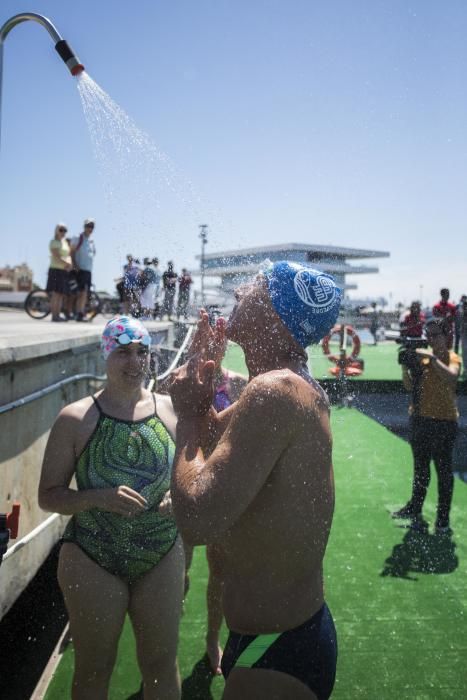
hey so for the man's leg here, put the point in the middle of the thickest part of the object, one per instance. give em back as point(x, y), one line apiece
point(421, 451)
point(442, 456)
point(420, 441)
point(83, 289)
point(96, 602)
point(69, 305)
point(155, 609)
point(170, 300)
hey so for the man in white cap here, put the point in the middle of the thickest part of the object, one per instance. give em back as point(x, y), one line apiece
point(257, 480)
point(83, 251)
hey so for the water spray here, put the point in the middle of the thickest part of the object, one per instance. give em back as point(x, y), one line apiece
point(63, 49)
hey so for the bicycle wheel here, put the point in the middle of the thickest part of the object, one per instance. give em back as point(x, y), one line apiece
point(37, 304)
point(93, 306)
point(110, 308)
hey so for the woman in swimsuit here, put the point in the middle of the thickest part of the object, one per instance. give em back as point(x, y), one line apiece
point(121, 552)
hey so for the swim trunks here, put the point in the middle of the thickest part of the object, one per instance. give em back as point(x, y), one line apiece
point(308, 653)
point(138, 454)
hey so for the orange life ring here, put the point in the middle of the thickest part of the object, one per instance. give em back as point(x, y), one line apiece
point(356, 345)
point(350, 371)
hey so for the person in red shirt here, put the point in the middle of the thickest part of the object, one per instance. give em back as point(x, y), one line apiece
point(444, 309)
point(413, 321)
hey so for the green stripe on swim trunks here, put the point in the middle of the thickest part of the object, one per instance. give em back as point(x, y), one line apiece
point(256, 649)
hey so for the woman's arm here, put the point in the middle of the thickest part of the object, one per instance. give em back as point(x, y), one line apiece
point(58, 467)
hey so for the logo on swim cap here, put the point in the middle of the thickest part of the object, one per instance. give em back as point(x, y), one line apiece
point(319, 292)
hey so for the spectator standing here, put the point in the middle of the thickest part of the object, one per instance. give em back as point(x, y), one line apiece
point(374, 323)
point(463, 330)
point(83, 251)
point(155, 264)
point(131, 286)
point(431, 377)
point(458, 323)
point(59, 268)
point(413, 321)
point(445, 309)
point(184, 284)
point(69, 303)
point(149, 282)
point(169, 282)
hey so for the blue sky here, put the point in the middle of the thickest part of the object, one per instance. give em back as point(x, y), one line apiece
point(341, 123)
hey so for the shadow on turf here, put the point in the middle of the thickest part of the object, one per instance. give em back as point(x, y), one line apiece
point(420, 552)
point(197, 686)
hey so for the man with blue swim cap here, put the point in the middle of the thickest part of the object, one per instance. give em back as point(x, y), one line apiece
point(306, 300)
point(257, 479)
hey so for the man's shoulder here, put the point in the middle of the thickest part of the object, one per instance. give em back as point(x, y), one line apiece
point(286, 388)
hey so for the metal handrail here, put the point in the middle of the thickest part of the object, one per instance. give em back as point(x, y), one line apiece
point(24, 400)
point(182, 349)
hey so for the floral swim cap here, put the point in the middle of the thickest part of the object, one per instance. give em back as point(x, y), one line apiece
point(123, 330)
point(306, 300)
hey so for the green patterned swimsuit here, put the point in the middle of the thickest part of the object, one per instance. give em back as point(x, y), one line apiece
point(138, 454)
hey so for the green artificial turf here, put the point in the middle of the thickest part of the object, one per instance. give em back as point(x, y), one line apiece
point(380, 361)
point(398, 598)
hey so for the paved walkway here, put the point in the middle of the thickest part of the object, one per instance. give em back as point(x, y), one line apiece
point(20, 334)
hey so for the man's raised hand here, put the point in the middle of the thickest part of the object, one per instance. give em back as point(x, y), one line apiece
point(210, 343)
point(191, 387)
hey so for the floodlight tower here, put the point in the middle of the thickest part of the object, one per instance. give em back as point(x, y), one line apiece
point(203, 234)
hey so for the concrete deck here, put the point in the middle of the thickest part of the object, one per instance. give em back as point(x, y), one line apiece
point(23, 338)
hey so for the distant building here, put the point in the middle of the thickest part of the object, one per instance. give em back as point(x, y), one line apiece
point(236, 266)
point(16, 279)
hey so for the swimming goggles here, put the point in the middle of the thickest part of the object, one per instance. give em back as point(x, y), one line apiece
point(126, 339)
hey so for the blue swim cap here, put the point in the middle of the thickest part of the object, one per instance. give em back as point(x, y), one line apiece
point(306, 300)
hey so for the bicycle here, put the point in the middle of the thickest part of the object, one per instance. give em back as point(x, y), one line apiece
point(111, 307)
point(37, 304)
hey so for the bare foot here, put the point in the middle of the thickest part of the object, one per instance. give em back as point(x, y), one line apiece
point(214, 652)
